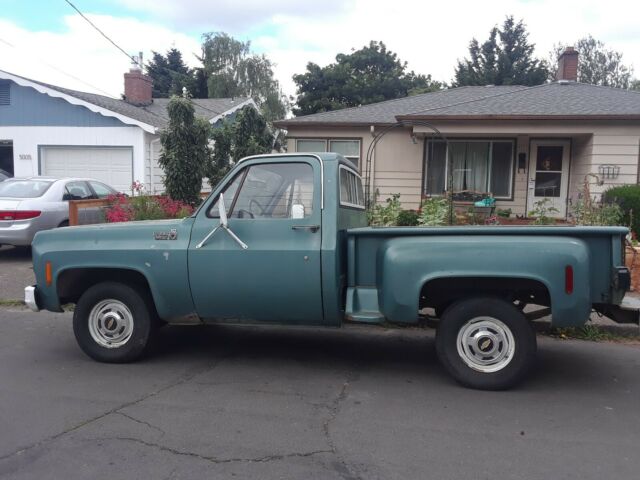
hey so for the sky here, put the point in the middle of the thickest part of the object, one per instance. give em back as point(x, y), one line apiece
point(48, 41)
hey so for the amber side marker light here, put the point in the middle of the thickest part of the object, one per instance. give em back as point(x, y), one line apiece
point(568, 279)
point(47, 274)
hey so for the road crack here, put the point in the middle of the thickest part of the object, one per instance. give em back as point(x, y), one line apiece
point(116, 410)
point(341, 467)
point(216, 460)
point(141, 422)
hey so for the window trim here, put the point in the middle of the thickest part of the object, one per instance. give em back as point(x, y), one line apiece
point(327, 141)
point(491, 140)
point(343, 203)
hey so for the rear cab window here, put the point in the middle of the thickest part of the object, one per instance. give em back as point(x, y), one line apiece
point(351, 192)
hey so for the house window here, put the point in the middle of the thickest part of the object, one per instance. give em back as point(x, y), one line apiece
point(476, 165)
point(348, 148)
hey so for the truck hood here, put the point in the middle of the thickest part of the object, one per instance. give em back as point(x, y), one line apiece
point(134, 235)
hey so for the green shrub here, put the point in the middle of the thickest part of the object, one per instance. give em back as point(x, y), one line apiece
point(408, 218)
point(542, 209)
point(627, 197)
point(386, 215)
point(504, 213)
point(590, 212)
point(434, 212)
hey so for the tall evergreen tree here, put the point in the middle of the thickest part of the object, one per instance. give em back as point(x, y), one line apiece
point(185, 151)
point(371, 74)
point(248, 134)
point(505, 58)
point(170, 74)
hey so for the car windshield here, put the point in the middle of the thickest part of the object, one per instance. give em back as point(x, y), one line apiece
point(23, 188)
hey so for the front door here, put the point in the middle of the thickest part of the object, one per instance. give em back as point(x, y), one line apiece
point(275, 209)
point(549, 176)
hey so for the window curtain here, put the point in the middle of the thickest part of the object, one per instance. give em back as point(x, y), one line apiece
point(458, 168)
point(477, 166)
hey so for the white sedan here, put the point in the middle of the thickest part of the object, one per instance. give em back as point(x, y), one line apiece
point(28, 205)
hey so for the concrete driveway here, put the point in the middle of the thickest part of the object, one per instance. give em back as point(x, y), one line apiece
point(16, 272)
point(267, 403)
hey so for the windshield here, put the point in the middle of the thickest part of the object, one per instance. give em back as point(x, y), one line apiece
point(23, 188)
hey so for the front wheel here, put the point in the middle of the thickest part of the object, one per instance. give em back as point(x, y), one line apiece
point(486, 343)
point(114, 322)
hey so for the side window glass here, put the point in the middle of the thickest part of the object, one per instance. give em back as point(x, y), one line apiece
point(229, 194)
point(102, 190)
point(77, 191)
point(351, 194)
point(272, 190)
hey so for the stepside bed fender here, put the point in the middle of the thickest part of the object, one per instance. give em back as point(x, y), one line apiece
point(406, 264)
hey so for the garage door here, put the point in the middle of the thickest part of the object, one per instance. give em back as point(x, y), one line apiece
point(111, 165)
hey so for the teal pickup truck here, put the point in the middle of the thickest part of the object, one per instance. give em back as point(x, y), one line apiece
point(283, 240)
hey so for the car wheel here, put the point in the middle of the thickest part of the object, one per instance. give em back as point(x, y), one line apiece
point(64, 224)
point(486, 343)
point(114, 322)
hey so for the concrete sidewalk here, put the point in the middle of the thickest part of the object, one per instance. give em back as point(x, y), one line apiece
point(16, 272)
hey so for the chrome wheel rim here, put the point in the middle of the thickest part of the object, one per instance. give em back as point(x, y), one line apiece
point(486, 344)
point(110, 323)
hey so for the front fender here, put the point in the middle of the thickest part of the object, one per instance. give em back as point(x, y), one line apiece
point(132, 247)
point(405, 265)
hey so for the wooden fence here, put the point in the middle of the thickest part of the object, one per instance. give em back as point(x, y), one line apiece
point(76, 205)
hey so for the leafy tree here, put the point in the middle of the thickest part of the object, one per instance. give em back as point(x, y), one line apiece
point(371, 74)
point(185, 151)
point(170, 74)
point(248, 134)
point(635, 84)
point(597, 64)
point(230, 69)
point(506, 58)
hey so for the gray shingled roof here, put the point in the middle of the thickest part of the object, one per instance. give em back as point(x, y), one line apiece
point(554, 99)
point(154, 114)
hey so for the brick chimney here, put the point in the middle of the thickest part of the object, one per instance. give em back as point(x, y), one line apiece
point(137, 86)
point(568, 65)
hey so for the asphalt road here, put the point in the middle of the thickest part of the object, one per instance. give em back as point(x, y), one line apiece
point(263, 403)
point(16, 272)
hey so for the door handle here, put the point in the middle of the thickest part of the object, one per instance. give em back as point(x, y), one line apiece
point(312, 228)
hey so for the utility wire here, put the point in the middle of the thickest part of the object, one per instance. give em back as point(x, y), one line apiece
point(57, 69)
point(137, 62)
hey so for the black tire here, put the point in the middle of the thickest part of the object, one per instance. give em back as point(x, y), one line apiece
point(64, 224)
point(457, 320)
point(142, 311)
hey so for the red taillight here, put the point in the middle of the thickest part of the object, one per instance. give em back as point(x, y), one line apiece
point(19, 214)
point(568, 279)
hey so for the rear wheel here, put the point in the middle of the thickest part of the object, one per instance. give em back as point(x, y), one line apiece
point(114, 322)
point(486, 343)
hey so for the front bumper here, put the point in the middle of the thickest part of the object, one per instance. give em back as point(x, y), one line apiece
point(31, 298)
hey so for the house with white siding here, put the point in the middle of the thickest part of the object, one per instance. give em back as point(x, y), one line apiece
point(55, 131)
point(520, 144)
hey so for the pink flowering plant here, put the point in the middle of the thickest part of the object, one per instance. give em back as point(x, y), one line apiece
point(144, 207)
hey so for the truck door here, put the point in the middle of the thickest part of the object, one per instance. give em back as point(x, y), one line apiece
point(275, 209)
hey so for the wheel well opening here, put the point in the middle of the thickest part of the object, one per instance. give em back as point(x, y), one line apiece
point(441, 292)
point(72, 283)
